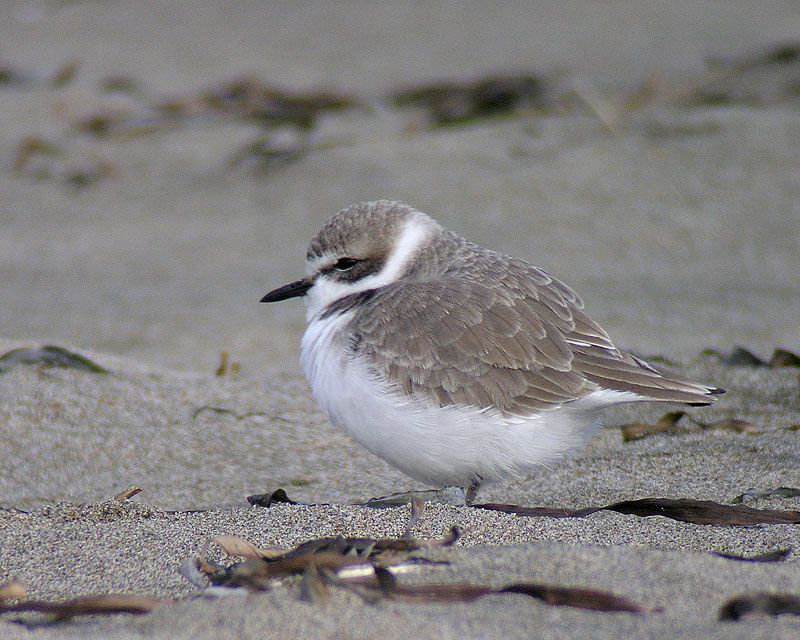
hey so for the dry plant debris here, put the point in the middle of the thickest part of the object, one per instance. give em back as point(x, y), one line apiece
point(252, 99)
point(668, 423)
point(226, 367)
point(681, 509)
point(763, 77)
point(451, 103)
point(772, 604)
point(106, 603)
point(385, 585)
point(741, 357)
point(770, 556)
point(48, 356)
point(368, 567)
point(781, 492)
point(39, 159)
point(128, 493)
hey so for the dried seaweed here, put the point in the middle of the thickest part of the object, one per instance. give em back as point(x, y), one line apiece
point(128, 493)
point(668, 423)
point(728, 424)
point(32, 155)
point(260, 569)
point(65, 74)
point(120, 84)
point(56, 79)
point(772, 604)
point(780, 54)
point(783, 358)
point(381, 583)
point(243, 99)
point(223, 369)
point(681, 509)
point(577, 597)
point(12, 76)
point(369, 548)
point(766, 75)
point(782, 492)
point(367, 567)
point(106, 603)
point(40, 159)
point(770, 556)
point(88, 173)
point(48, 356)
point(452, 103)
point(270, 152)
point(266, 153)
point(313, 586)
point(574, 597)
point(251, 99)
point(741, 357)
point(102, 124)
point(243, 548)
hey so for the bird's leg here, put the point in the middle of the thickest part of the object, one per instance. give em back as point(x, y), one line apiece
point(452, 495)
point(471, 491)
point(455, 496)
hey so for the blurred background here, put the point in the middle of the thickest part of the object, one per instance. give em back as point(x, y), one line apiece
point(165, 163)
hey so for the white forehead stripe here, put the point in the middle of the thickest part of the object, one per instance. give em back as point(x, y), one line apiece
point(326, 290)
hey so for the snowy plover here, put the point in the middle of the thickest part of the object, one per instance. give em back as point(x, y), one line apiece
point(456, 364)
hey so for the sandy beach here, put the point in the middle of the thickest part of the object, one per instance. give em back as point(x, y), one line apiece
point(151, 196)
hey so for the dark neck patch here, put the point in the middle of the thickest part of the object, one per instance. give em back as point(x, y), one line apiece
point(347, 302)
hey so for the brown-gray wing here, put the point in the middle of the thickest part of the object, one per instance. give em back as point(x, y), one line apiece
point(520, 347)
point(461, 342)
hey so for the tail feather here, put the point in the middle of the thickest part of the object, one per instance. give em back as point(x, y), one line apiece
point(620, 371)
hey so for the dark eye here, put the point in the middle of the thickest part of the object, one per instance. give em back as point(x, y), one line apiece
point(343, 264)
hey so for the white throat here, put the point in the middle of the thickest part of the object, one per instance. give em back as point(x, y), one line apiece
point(327, 290)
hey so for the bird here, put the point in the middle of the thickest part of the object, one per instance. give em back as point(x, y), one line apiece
point(456, 364)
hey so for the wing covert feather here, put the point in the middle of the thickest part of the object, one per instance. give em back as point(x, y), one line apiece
point(460, 342)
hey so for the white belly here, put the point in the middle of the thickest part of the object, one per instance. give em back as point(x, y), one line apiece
point(439, 446)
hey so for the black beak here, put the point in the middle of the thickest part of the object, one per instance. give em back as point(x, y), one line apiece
point(291, 290)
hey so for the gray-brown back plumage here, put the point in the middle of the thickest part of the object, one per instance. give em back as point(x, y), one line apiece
point(468, 326)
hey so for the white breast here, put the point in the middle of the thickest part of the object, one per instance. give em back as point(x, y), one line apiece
point(439, 446)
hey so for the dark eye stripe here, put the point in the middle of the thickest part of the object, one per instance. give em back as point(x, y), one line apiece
point(343, 264)
point(348, 269)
